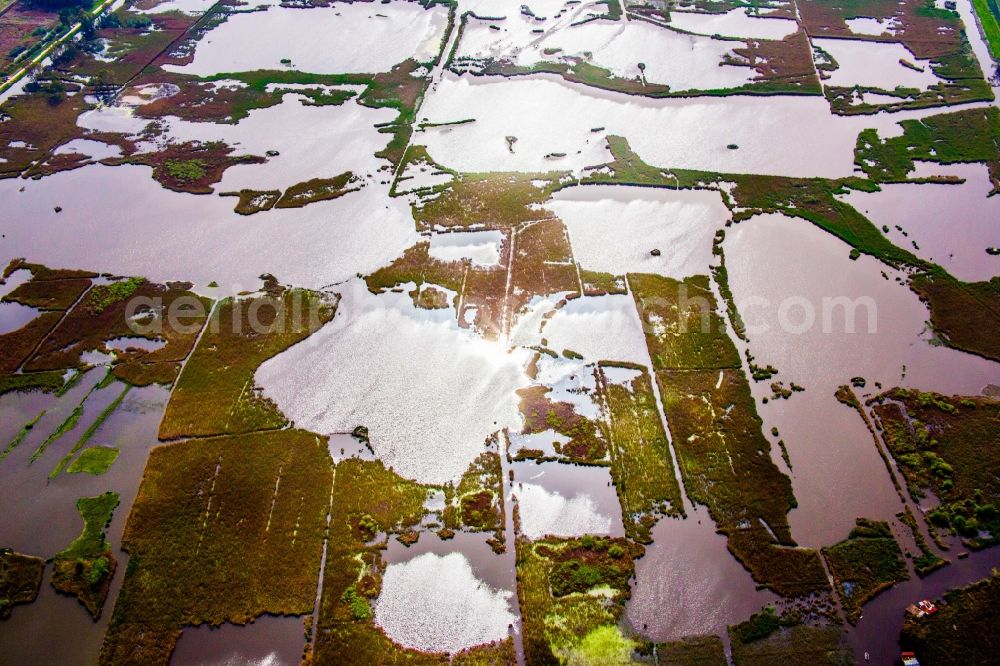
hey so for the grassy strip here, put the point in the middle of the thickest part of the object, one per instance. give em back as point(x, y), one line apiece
point(963, 631)
point(865, 564)
point(19, 437)
point(86, 567)
point(317, 189)
point(721, 277)
point(20, 579)
point(222, 530)
point(724, 458)
point(74, 379)
point(89, 432)
point(927, 561)
point(988, 12)
point(215, 394)
point(641, 463)
point(68, 424)
point(95, 460)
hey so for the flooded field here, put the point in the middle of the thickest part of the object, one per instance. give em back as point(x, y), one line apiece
point(836, 470)
point(920, 211)
point(300, 37)
point(793, 136)
point(466, 332)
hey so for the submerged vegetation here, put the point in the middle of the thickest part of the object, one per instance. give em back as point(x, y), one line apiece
point(767, 639)
point(693, 651)
point(20, 579)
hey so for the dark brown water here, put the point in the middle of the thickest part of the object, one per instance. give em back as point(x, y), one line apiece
point(268, 641)
point(688, 583)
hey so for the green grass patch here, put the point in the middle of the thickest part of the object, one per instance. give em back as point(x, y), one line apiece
point(105, 295)
point(988, 12)
point(95, 460)
point(96, 513)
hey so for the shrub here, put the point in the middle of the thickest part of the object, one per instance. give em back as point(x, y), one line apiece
point(185, 171)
